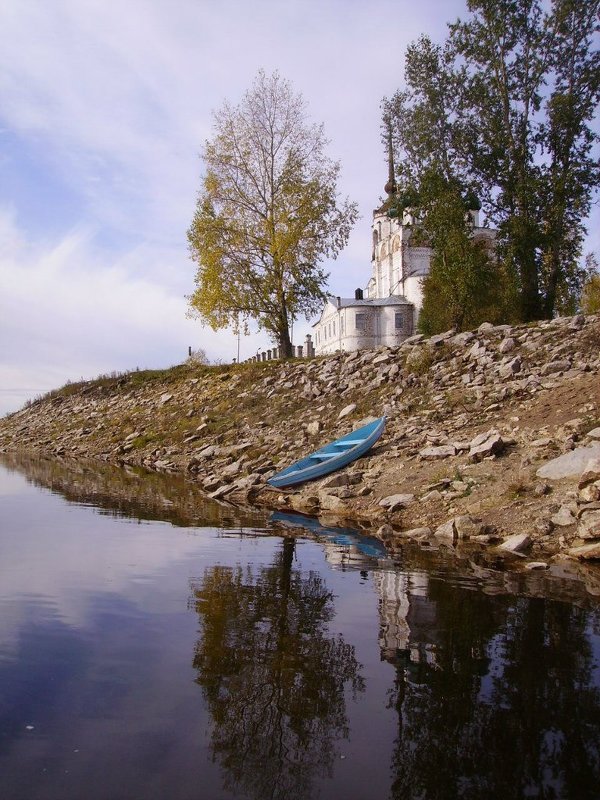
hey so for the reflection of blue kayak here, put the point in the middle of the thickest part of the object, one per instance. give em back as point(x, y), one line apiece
point(332, 456)
point(367, 545)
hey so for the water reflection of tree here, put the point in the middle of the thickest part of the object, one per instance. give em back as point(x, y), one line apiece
point(274, 680)
point(508, 708)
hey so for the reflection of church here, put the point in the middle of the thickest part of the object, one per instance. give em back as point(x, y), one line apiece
point(408, 618)
point(386, 312)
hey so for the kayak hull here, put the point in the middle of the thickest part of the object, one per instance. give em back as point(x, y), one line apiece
point(330, 457)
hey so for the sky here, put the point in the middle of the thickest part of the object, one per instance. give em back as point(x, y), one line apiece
point(104, 109)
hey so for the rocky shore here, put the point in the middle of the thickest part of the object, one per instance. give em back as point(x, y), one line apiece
point(492, 439)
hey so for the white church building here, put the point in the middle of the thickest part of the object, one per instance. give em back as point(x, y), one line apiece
point(387, 310)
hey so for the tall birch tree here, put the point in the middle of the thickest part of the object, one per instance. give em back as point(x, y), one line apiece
point(268, 214)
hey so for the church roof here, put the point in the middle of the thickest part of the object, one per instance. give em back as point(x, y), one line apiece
point(391, 300)
point(351, 302)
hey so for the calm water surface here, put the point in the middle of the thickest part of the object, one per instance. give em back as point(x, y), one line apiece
point(152, 646)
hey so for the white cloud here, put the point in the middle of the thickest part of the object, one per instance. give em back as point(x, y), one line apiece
point(65, 313)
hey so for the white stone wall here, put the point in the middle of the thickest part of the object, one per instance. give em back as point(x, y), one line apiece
point(338, 331)
point(328, 331)
point(413, 291)
point(347, 336)
point(389, 334)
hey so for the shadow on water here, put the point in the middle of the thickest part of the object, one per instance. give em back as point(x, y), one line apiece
point(492, 679)
point(129, 492)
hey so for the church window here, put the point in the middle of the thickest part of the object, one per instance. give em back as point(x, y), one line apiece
point(361, 321)
point(399, 320)
point(341, 324)
point(333, 323)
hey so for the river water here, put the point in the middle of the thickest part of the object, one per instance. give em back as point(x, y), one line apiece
point(156, 646)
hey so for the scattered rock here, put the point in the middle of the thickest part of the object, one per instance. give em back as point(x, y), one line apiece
point(486, 444)
point(571, 465)
point(591, 472)
point(506, 345)
point(589, 525)
point(441, 451)
point(458, 383)
point(586, 552)
point(395, 501)
point(563, 517)
point(347, 410)
point(517, 543)
point(331, 502)
point(467, 527)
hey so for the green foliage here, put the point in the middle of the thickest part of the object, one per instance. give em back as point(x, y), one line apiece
point(590, 297)
point(590, 301)
point(505, 108)
point(464, 286)
point(419, 360)
point(267, 214)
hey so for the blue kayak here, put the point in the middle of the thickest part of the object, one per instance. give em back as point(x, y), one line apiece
point(331, 457)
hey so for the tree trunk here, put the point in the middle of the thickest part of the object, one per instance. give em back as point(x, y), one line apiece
point(283, 332)
point(525, 236)
point(285, 345)
point(553, 280)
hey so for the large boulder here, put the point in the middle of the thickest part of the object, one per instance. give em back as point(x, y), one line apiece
point(570, 465)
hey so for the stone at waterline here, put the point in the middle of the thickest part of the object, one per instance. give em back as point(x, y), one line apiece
point(570, 465)
point(446, 531)
point(417, 533)
point(467, 526)
point(516, 543)
point(330, 502)
point(586, 552)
